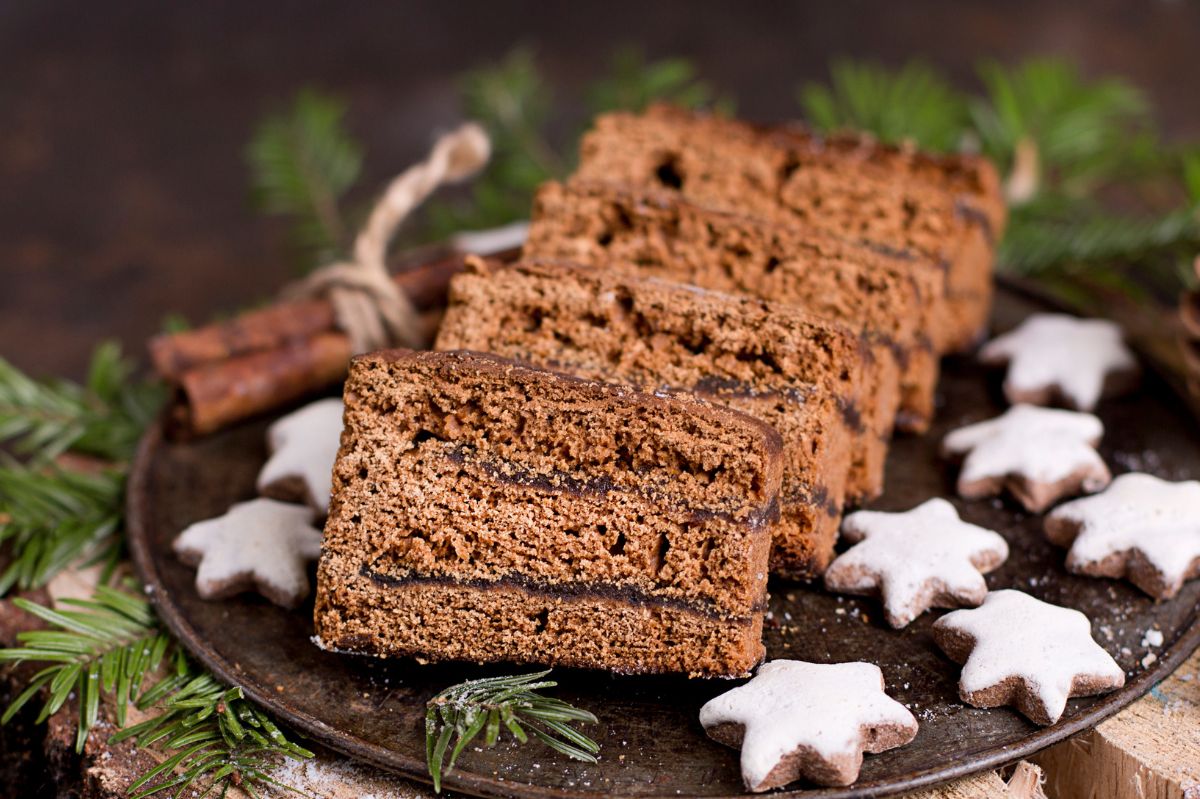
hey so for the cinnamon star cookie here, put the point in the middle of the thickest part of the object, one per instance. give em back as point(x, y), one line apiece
point(260, 545)
point(1142, 528)
point(926, 557)
point(1018, 650)
point(1059, 359)
point(303, 446)
point(810, 720)
point(1038, 454)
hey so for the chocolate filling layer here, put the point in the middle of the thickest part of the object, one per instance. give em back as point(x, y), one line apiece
point(562, 482)
point(976, 217)
point(575, 590)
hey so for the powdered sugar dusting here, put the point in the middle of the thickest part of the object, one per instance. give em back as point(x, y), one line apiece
point(790, 703)
point(304, 444)
point(1139, 513)
point(1044, 645)
point(1056, 350)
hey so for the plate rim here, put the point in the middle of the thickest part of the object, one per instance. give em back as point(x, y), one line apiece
point(143, 555)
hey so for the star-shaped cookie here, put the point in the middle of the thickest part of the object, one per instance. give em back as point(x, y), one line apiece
point(1038, 454)
point(922, 558)
point(1141, 528)
point(1018, 650)
point(303, 446)
point(1059, 359)
point(261, 545)
point(810, 720)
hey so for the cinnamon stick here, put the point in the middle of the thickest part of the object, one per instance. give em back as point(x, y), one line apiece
point(268, 358)
point(286, 324)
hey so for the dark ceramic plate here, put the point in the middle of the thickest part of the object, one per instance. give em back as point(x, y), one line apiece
point(652, 744)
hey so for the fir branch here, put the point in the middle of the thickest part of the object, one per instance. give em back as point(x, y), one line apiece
point(1083, 130)
point(110, 646)
point(102, 418)
point(911, 103)
point(103, 646)
point(463, 711)
point(632, 83)
point(1039, 243)
point(512, 101)
point(52, 518)
point(302, 162)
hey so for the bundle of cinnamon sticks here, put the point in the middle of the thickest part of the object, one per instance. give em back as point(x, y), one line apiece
point(265, 359)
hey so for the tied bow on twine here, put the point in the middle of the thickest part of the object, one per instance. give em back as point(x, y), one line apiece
point(368, 305)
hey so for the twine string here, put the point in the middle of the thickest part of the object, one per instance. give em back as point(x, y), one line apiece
point(367, 304)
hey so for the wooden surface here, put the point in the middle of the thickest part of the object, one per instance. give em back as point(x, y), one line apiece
point(124, 193)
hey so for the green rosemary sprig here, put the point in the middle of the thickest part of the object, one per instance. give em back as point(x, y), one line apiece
point(302, 162)
point(463, 711)
point(103, 418)
point(111, 646)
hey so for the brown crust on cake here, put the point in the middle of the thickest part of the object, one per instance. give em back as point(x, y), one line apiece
point(468, 482)
point(798, 374)
point(945, 209)
point(897, 301)
point(499, 622)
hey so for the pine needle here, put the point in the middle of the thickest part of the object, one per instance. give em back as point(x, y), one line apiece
point(463, 711)
point(302, 162)
point(1084, 130)
point(633, 83)
point(104, 417)
point(912, 103)
point(112, 646)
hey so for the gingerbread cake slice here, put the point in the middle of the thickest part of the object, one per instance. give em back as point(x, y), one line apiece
point(485, 510)
point(946, 208)
point(807, 378)
point(893, 299)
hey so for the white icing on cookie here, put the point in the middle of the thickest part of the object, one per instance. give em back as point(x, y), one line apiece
point(303, 446)
point(790, 705)
point(1045, 647)
point(1051, 353)
point(262, 544)
point(1142, 527)
point(1052, 452)
point(916, 560)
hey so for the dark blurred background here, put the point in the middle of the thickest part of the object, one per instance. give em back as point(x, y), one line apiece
point(123, 186)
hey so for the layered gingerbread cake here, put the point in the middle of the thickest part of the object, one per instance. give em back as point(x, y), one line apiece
point(810, 379)
point(484, 510)
point(944, 208)
point(894, 299)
